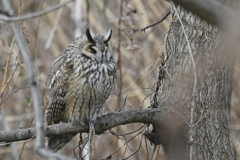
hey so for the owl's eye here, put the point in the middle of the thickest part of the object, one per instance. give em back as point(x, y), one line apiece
point(91, 50)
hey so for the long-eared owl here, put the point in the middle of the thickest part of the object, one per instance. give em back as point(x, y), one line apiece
point(79, 83)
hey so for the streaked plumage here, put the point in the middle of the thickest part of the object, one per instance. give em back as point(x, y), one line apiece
point(80, 81)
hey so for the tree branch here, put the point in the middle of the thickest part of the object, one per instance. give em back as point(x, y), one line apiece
point(156, 22)
point(102, 124)
point(31, 15)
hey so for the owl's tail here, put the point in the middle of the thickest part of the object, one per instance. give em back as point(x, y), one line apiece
point(55, 143)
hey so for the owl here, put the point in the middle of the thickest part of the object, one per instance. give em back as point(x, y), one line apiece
point(79, 83)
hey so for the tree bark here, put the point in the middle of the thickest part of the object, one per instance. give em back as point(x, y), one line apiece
point(204, 132)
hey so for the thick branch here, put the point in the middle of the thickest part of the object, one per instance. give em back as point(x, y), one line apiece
point(103, 123)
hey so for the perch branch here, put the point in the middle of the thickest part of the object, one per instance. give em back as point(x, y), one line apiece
point(102, 124)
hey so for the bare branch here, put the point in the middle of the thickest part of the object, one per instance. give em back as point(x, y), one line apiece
point(156, 22)
point(102, 124)
point(32, 15)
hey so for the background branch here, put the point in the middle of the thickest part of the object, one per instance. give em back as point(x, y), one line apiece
point(32, 15)
point(156, 22)
point(102, 124)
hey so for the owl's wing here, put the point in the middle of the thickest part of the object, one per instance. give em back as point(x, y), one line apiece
point(57, 84)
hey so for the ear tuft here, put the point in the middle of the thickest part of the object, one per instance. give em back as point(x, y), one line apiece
point(108, 36)
point(90, 35)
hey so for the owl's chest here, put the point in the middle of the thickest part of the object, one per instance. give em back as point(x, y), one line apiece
point(92, 82)
point(89, 88)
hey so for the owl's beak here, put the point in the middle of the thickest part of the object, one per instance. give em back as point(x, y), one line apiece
point(100, 55)
point(103, 58)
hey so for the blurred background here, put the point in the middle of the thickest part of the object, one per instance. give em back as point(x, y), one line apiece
point(48, 35)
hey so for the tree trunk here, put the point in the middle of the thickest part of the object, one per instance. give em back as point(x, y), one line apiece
point(197, 127)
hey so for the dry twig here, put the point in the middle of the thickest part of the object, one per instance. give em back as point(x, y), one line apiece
point(4, 86)
point(156, 22)
point(32, 15)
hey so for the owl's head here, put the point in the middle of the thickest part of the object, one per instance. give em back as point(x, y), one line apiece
point(97, 47)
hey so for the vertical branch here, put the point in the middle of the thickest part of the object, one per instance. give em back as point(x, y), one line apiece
point(35, 42)
point(78, 18)
point(119, 62)
point(119, 66)
point(88, 10)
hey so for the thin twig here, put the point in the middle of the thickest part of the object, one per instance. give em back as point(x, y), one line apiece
point(35, 43)
point(22, 150)
point(14, 90)
point(194, 85)
point(33, 15)
point(156, 22)
point(146, 144)
point(120, 137)
point(119, 62)
point(5, 73)
point(134, 82)
point(119, 65)
point(127, 146)
point(124, 134)
point(153, 151)
point(25, 141)
point(11, 76)
point(53, 30)
point(139, 146)
point(123, 145)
